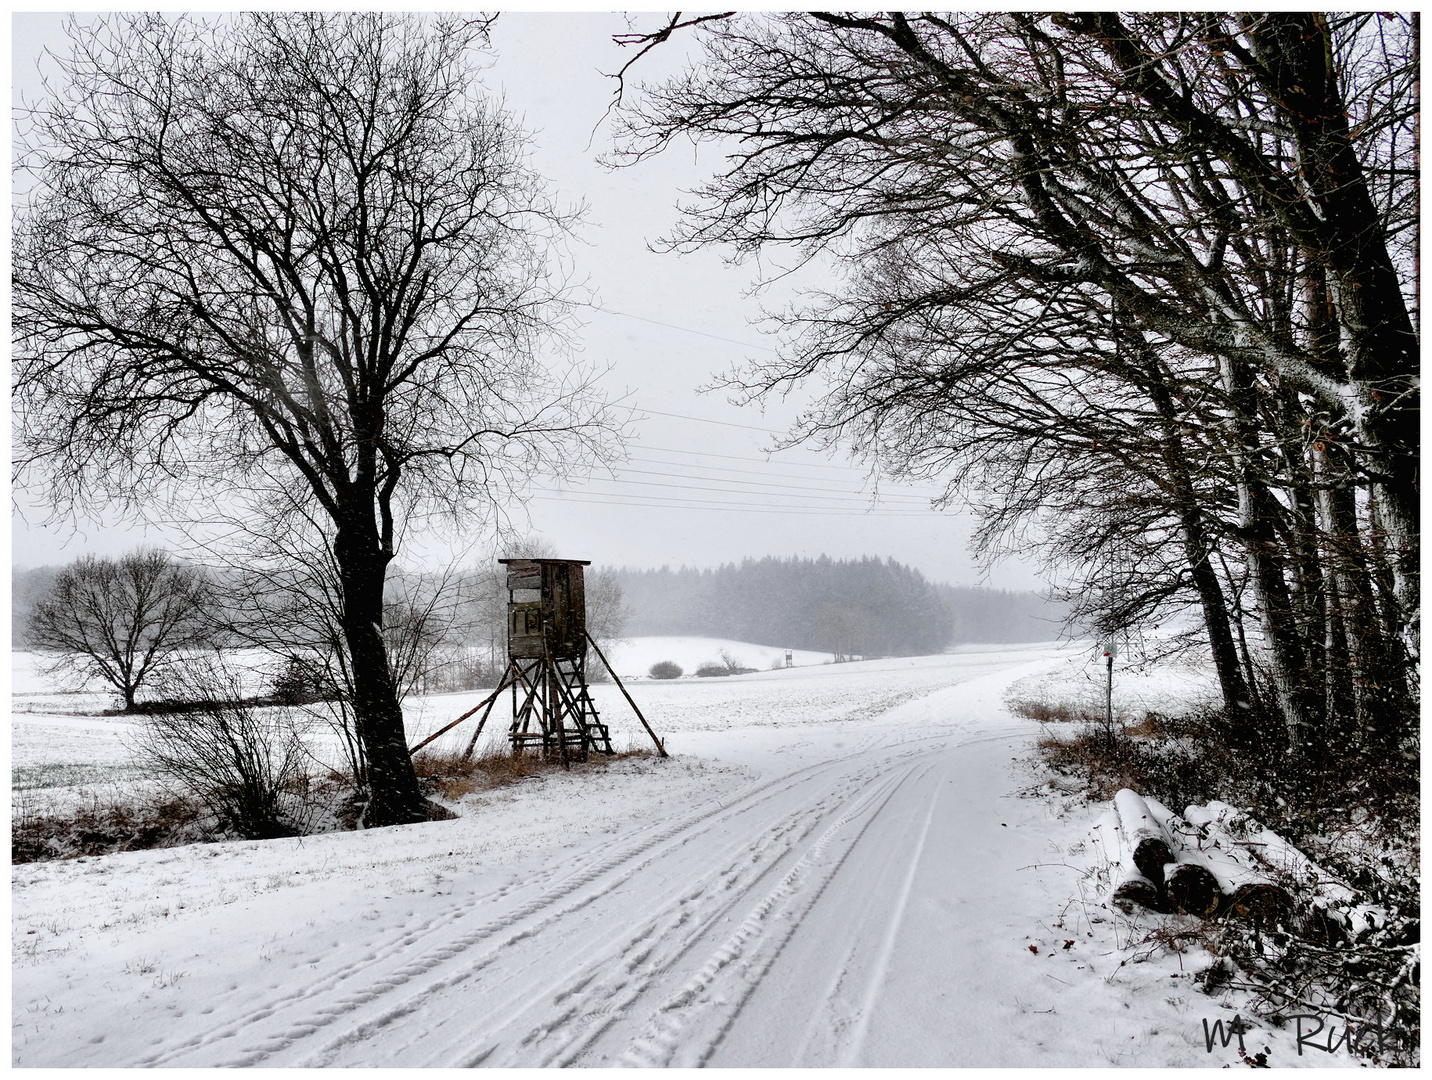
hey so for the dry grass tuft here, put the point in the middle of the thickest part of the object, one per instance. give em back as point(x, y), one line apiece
point(102, 825)
point(1047, 712)
point(446, 775)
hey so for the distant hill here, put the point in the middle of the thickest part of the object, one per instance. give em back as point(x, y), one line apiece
point(861, 607)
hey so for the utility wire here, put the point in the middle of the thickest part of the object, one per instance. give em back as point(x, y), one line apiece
point(701, 419)
point(724, 507)
point(684, 329)
point(727, 470)
point(742, 457)
point(811, 492)
point(829, 497)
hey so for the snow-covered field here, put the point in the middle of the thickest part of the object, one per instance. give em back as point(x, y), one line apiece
point(840, 865)
point(633, 657)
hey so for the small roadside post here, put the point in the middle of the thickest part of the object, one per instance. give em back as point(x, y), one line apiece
point(1109, 651)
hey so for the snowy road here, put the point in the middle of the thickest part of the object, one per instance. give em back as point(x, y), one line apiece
point(866, 899)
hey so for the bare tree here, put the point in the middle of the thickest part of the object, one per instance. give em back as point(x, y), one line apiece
point(1139, 271)
point(122, 620)
point(301, 249)
point(282, 593)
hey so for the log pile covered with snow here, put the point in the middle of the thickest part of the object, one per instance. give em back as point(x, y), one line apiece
point(1217, 860)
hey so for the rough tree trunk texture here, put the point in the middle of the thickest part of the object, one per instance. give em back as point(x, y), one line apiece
point(1256, 511)
point(1379, 344)
point(1245, 658)
point(1288, 663)
point(1309, 596)
point(1373, 660)
point(392, 783)
point(1338, 683)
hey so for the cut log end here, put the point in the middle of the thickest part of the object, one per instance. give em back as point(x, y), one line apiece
point(1261, 903)
point(1193, 889)
point(1135, 890)
point(1151, 854)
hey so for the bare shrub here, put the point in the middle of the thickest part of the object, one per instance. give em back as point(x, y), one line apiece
point(734, 666)
point(246, 765)
point(666, 669)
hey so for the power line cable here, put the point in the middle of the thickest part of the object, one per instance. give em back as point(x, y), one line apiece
point(701, 419)
point(684, 329)
point(647, 501)
point(812, 492)
point(748, 472)
point(824, 496)
point(742, 457)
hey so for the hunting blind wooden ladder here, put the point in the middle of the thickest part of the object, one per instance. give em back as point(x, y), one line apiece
point(547, 640)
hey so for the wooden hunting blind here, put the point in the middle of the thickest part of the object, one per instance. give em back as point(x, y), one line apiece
point(553, 622)
point(547, 644)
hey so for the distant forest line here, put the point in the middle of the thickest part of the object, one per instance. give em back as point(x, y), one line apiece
point(860, 607)
point(855, 607)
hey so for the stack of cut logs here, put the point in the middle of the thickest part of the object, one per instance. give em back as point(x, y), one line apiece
point(1193, 864)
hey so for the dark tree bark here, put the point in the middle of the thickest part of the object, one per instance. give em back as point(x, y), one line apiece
point(1257, 514)
point(1198, 553)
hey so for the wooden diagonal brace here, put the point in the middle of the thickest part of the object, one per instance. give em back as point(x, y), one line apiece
point(506, 682)
point(659, 748)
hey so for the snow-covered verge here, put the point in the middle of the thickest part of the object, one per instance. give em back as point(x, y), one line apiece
point(1280, 1011)
point(1080, 681)
point(842, 865)
point(1333, 969)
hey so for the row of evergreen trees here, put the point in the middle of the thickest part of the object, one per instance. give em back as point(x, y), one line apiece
point(856, 607)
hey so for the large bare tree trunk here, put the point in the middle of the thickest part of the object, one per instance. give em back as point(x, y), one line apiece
point(1197, 550)
point(1376, 660)
point(1379, 344)
point(1309, 598)
point(362, 564)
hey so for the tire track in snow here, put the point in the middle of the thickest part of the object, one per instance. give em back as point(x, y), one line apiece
point(887, 946)
point(551, 1040)
point(421, 999)
point(705, 1001)
point(646, 967)
point(356, 987)
point(321, 997)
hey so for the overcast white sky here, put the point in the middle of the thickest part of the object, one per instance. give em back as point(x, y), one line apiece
point(698, 490)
